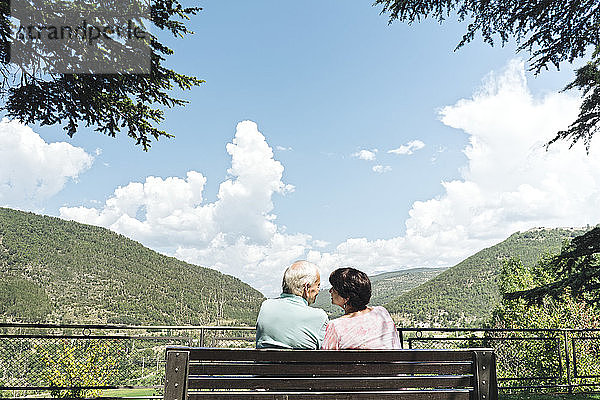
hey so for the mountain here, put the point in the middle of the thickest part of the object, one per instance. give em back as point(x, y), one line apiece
point(52, 270)
point(466, 294)
point(384, 287)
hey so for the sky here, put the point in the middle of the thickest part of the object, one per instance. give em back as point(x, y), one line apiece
point(323, 133)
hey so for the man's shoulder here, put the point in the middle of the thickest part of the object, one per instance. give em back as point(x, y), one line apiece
point(319, 311)
point(317, 314)
point(271, 301)
point(279, 303)
point(276, 303)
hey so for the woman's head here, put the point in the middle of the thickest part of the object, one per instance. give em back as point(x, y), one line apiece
point(353, 285)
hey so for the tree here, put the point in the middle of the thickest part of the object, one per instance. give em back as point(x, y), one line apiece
point(527, 358)
point(76, 368)
point(576, 268)
point(551, 31)
point(108, 101)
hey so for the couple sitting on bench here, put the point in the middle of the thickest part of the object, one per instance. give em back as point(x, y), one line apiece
point(288, 322)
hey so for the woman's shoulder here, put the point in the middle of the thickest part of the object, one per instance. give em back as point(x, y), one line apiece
point(377, 312)
point(380, 310)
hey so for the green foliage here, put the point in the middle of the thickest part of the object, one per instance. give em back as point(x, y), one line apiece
point(23, 300)
point(77, 364)
point(575, 269)
point(110, 102)
point(550, 31)
point(553, 396)
point(466, 294)
point(87, 274)
point(587, 123)
point(387, 286)
point(539, 357)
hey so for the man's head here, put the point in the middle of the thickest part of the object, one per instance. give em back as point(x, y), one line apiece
point(303, 279)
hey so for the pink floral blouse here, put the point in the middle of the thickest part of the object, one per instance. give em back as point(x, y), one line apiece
point(373, 330)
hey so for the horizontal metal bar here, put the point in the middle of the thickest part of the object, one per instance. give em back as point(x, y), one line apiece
point(26, 388)
point(116, 326)
point(573, 385)
point(587, 377)
point(429, 339)
point(251, 328)
point(586, 384)
point(528, 378)
point(33, 336)
point(86, 398)
point(534, 387)
point(496, 330)
point(60, 387)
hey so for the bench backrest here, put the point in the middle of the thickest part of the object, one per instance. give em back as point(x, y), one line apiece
point(204, 373)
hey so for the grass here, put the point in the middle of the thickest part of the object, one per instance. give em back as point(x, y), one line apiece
point(129, 392)
point(537, 396)
point(523, 396)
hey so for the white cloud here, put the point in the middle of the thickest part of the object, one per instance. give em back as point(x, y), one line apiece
point(32, 170)
point(439, 151)
point(320, 243)
point(408, 148)
point(380, 169)
point(367, 155)
point(260, 265)
point(510, 182)
point(236, 233)
point(282, 148)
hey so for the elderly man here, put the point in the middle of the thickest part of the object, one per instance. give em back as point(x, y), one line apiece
point(287, 322)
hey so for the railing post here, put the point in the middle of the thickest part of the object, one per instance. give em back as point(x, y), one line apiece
point(567, 361)
point(202, 337)
point(401, 334)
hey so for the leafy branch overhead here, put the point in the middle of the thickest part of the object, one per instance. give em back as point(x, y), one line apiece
point(551, 31)
point(108, 102)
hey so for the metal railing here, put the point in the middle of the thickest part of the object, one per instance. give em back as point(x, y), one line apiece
point(536, 360)
point(99, 360)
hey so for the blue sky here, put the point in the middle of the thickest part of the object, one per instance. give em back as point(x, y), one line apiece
point(330, 89)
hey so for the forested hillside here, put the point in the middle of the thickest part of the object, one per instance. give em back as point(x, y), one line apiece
point(385, 287)
point(53, 270)
point(466, 294)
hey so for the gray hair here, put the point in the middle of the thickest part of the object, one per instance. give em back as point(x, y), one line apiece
point(297, 275)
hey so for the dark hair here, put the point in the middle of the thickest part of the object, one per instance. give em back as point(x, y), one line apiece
point(353, 285)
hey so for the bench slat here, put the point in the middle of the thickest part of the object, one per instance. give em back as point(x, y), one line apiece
point(373, 369)
point(333, 384)
point(270, 374)
point(350, 356)
point(397, 395)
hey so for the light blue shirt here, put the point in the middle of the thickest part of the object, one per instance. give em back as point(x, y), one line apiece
point(288, 322)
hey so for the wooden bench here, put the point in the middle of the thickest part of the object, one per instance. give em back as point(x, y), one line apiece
point(208, 373)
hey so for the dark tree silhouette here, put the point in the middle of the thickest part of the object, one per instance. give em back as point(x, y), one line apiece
point(577, 268)
point(109, 102)
point(550, 31)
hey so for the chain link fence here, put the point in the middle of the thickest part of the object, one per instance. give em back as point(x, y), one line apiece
point(536, 360)
point(97, 360)
point(82, 360)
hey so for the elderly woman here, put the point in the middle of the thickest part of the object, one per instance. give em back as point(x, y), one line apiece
point(361, 327)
